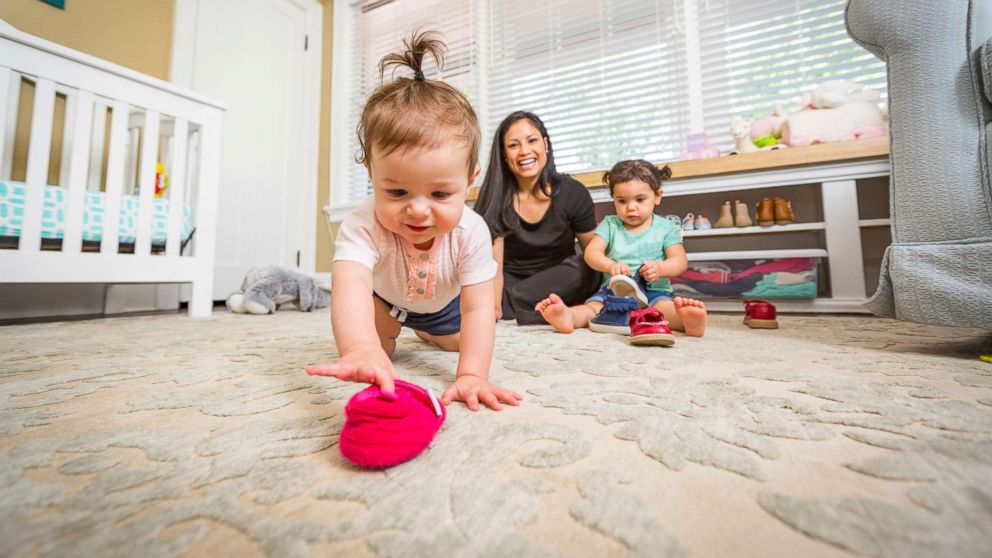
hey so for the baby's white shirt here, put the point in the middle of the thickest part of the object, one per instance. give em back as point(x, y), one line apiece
point(419, 281)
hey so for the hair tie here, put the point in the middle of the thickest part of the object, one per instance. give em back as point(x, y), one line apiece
point(419, 76)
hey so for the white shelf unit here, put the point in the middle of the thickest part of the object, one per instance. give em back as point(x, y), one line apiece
point(734, 231)
point(840, 225)
point(756, 254)
point(874, 223)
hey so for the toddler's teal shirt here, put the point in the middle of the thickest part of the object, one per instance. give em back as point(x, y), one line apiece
point(633, 249)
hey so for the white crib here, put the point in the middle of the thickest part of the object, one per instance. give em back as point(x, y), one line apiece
point(150, 121)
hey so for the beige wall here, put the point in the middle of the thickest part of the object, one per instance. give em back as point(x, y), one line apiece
point(324, 242)
point(138, 34)
point(133, 33)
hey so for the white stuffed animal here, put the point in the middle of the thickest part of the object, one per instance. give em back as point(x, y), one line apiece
point(740, 130)
point(832, 94)
point(837, 111)
point(266, 287)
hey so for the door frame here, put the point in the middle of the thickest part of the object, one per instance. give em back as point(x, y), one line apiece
point(181, 73)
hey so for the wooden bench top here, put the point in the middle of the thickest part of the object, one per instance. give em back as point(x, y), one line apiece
point(761, 160)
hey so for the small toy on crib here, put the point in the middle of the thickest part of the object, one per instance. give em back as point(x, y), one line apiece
point(161, 180)
point(267, 287)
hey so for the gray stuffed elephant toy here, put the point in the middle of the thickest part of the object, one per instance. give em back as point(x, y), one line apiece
point(266, 287)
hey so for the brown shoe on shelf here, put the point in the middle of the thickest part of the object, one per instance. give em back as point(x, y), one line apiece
point(766, 212)
point(726, 217)
point(783, 212)
point(741, 216)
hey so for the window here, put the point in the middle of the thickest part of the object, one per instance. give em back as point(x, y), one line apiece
point(608, 77)
point(757, 54)
point(612, 79)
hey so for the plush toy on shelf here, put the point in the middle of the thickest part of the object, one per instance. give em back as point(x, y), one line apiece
point(767, 130)
point(267, 287)
point(740, 130)
point(836, 111)
point(699, 147)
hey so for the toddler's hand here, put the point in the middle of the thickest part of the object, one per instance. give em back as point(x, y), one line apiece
point(619, 269)
point(650, 270)
point(366, 363)
point(499, 310)
point(473, 389)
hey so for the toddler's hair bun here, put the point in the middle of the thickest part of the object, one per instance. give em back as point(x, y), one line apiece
point(665, 173)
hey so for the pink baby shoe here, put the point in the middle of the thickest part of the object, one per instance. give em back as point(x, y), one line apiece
point(381, 432)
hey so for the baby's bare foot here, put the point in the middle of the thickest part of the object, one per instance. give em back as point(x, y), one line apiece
point(557, 314)
point(693, 315)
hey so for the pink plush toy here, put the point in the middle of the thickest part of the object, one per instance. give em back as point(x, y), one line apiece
point(380, 431)
point(699, 147)
point(770, 125)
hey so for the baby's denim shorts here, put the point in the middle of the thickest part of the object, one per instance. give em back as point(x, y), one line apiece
point(653, 295)
point(445, 321)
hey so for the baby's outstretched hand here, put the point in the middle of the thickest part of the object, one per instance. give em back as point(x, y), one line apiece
point(362, 364)
point(473, 389)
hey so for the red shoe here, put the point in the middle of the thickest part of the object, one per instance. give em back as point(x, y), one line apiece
point(760, 314)
point(648, 327)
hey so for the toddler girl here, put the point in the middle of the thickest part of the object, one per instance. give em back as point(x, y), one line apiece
point(413, 255)
point(634, 242)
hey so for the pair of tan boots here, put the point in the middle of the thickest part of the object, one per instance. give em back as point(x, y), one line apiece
point(769, 212)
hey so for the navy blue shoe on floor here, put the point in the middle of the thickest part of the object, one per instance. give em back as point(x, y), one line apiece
point(613, 317)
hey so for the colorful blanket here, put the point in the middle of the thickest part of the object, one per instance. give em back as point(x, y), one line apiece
point(12, 196)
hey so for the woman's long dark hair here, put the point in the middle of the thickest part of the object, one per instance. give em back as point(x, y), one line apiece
point(495, 203)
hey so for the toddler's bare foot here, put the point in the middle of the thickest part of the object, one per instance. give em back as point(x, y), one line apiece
point(557, 314)
point(693, 315)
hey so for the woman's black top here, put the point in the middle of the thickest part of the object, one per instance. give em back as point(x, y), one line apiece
point(546, 243)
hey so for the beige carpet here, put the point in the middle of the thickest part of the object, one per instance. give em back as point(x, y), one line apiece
point(833, 436)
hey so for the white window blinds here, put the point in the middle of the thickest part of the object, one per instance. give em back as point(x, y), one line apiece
point(606, 76)
point(755, 54)
point(616, 79)
point(381, 26)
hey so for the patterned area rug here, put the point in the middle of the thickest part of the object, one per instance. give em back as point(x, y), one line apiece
point(832, 436)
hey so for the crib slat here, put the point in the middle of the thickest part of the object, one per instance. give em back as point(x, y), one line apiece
point(97, 141)
point(10, 91)
point(68, 124)
point(177, 187)
point(79, 135)
point(39, 150)
point(132, 158)
point(115, 177)
point(149, 157)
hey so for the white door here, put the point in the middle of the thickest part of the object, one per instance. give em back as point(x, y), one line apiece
point(255, 56)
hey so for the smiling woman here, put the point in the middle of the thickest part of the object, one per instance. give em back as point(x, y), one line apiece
point(535, 215)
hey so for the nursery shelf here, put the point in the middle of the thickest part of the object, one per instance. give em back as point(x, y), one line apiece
point(756, 254)
point(728, 231)
point(874, 223)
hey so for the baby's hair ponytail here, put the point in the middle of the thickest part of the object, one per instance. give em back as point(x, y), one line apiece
point(416, 112)
point(637, 169)
point(416, 46)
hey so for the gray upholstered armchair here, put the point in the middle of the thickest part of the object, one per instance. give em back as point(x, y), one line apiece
point(939, 267)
